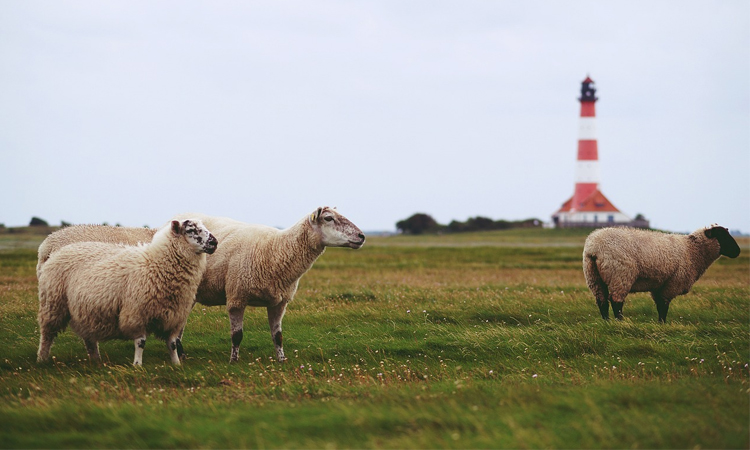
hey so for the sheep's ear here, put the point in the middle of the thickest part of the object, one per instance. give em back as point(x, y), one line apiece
point(176, 227)
point(316, 215)
point(715, 231)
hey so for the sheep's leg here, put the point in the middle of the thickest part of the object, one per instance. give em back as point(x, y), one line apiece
point(618, 301)
point(662, 306)
point(140, 344)
point(600, 292)
point(603, 308)
point(92, 348)
point(596, 285)
point(180, 350)
point(619, 286)
point(275, 315)
point(178, 345)
point(53, 317)
point(235, 322)
point(45, 343)
point(618, 290)
point(617, 309)
point(172, 346)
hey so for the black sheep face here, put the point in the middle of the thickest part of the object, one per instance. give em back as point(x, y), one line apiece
point(727, 243)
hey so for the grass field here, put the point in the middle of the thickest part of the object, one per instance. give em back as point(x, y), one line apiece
point(487, 340)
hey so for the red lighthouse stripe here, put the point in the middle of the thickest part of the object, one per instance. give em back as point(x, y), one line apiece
point(588, 109)
point(583, 190)
point(588, 150)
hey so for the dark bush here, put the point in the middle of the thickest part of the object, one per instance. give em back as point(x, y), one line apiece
point(422, 223)
point(417, 224)
point(37, 222)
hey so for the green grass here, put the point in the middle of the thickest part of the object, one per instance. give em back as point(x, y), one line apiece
point(483, 340)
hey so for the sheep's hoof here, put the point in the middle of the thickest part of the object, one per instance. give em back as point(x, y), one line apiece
point(180, 350)
point(234, 356)
point(617, 310)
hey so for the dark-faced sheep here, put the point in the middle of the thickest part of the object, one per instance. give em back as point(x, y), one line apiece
point(617, 261)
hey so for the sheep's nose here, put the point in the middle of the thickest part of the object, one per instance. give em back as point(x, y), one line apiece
point(211, 245)
point(361, 236)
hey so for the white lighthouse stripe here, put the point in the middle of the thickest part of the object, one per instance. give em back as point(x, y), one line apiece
point(587, 128)
point(587, 172)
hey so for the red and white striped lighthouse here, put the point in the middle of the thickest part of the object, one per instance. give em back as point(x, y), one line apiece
point(587, 165)
point(588, 207)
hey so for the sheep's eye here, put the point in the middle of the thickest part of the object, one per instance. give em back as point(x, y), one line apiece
point(328, 218)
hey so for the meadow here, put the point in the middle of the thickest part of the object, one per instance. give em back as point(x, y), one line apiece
point(477, 340)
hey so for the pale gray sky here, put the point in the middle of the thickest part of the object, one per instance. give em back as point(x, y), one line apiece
point(131, 111)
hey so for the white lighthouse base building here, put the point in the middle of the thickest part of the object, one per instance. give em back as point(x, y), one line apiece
point(594, 212)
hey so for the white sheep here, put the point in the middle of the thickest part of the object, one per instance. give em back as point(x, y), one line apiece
point(91, 233)
point(109, 291)
point(256, 265)
point(617, 261)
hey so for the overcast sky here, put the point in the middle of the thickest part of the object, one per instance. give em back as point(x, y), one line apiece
point(129, 112)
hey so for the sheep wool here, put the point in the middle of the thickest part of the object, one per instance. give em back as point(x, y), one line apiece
point(91, 233)
point(112, 291)
point(617, 261)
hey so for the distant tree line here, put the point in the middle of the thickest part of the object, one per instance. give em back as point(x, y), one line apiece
point(37, 222)
point(39, 225)
point(421, 223)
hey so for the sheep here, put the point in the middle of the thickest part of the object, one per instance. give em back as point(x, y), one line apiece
point(617, 261)
point(255, 266)
point(91, 233)
point(111, 291)
point(261, 266)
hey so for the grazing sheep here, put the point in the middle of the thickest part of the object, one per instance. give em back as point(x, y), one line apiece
point(259, 265)
point(617, 261)
point(256, 265)
point(111, 291)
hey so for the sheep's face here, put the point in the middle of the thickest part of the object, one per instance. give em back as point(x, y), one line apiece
point(336, 230)
point(196, 234)
point(727, 243)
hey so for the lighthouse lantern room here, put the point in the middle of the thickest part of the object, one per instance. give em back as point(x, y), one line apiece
point(588, 207)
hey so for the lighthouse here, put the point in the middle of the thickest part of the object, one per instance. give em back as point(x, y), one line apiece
point(588, 207)
point(587, 164)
